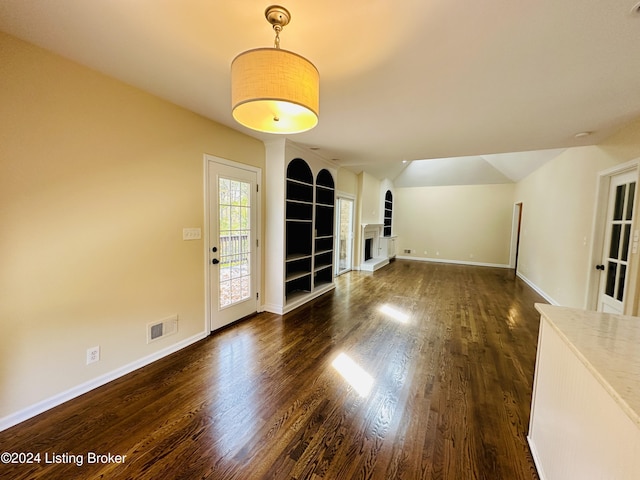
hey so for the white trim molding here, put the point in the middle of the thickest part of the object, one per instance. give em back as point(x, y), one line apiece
point(62, 397)
point(538, 290)
point(456, 262)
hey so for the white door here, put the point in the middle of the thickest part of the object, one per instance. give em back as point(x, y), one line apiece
point(232, 243)
point(344, 239)
point(617, 244)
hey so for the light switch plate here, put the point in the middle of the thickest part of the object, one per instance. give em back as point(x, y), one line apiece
point(191, 234)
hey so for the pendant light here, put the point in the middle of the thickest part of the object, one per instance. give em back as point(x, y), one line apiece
point(274, 90)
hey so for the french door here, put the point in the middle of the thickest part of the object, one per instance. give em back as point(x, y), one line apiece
point(232, 242)
point(344, 235)
point(618, 241)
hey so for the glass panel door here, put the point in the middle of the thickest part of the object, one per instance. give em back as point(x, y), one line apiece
point(344, 235)
point(232, 243)
point(618, 235)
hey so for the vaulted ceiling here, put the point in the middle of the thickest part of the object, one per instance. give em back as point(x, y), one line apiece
point(453, 88)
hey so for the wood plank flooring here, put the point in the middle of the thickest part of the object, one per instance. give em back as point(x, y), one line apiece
point(451, 358)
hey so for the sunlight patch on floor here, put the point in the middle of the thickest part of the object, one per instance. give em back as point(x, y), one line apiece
point(354, 374)
point(394, 313)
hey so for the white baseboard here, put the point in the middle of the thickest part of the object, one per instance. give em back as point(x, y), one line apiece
point(60, 398)
point(537, 289)
point(457, 262)
point(536, 458)
point(272, 308)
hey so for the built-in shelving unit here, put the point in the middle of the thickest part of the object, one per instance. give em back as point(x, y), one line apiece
point(388, 213)
point(324, 225)
point(299, 229)
point(299, 241)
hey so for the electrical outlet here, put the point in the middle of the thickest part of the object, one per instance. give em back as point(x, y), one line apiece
point(93, 354)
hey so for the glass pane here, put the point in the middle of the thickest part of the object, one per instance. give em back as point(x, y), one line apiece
point(614, 249)
point(225, 269)
point(618, 209)
point(225, 293)
point(234, 230)
point(630, 200)
point(225, 218)
point(244, 218)
point(245, 285)
point(235, 218)
point(235, 193)
point(244, 199)
point(224, 186)
point(611, 279)
point(621, 277)
point(236, 266)
point(625, 241)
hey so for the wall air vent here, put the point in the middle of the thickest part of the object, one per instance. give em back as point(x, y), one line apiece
point(162, 328)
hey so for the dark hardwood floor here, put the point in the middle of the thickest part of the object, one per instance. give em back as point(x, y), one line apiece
point(451, 359)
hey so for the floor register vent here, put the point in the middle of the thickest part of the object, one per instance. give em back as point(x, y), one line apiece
point(158, 330)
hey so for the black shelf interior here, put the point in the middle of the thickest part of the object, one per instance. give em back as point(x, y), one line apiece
point(299, 210)
point(388, 213)
point(323, 276)
point(302, 284)
point(299, 170)
point(324, 221)
point(298, 238)
point(300, 192)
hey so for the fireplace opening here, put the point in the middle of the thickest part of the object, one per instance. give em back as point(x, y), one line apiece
point(367, 249)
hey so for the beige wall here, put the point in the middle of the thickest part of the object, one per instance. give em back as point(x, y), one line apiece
point(97, 181)
point(347, 182)
point(370, 199)
point(558, 211)
point(469, 224)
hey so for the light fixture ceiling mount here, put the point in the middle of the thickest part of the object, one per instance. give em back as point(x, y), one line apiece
point(277, 16)
point(274, 90)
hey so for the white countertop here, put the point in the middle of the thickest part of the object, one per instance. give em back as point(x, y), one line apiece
point(608, 345)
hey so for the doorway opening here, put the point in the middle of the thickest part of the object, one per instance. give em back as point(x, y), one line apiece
point(344, 235)
point(515, 236)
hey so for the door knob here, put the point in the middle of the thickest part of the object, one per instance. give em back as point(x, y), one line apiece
point(599, 267)
point(215, 261)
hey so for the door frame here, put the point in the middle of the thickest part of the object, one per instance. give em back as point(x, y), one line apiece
point(208, 159)
point(336, 255)
point(516, 227)
point(598, 239)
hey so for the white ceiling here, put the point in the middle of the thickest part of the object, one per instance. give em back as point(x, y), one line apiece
point(400, 80)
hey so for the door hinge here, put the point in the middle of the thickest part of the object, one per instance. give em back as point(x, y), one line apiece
point(257, 295)
point(257, 187)
point(257, 243)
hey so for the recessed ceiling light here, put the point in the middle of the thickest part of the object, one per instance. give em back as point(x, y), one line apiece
point(582, 134)
point(635, 9)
